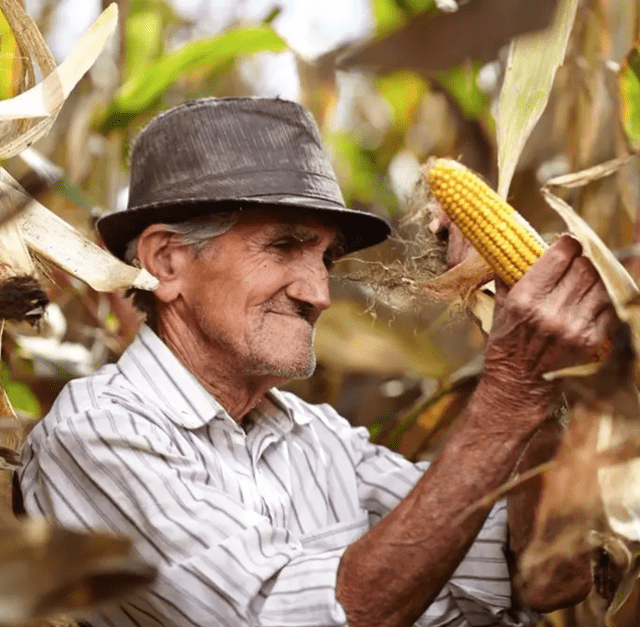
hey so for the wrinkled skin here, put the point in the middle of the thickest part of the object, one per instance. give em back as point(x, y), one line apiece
point(563, 318)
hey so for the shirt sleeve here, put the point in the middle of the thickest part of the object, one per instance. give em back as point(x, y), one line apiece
point(219, 562)
point(479, 592)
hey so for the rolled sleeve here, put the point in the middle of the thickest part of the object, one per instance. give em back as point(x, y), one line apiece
point(479, 592)
point(288, 600)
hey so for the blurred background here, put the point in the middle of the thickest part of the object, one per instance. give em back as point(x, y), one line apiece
point(390, 83)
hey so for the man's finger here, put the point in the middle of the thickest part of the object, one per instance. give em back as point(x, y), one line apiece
point(580, 279)
point(545, 274)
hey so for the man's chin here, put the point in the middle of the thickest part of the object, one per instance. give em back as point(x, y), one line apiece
point(300, 367)
point(292, 371)
point(287, 355)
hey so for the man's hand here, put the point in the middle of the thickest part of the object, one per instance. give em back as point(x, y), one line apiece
point(559, 314)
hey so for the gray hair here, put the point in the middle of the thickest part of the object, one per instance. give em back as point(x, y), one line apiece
point(196, 232)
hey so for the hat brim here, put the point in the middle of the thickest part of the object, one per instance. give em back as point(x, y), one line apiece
point(360, 229)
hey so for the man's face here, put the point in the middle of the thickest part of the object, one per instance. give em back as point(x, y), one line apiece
point(253, 295)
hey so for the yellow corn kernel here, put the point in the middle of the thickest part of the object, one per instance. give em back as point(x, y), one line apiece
point(500, 234)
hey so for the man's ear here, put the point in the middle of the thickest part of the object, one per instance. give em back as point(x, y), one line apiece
point(166, 260)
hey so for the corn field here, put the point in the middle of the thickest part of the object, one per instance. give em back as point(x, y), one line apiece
point(543, 104)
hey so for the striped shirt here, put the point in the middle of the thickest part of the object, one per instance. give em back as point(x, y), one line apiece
point(246, 526)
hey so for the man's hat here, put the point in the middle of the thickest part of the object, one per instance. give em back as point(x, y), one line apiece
point(226, 154)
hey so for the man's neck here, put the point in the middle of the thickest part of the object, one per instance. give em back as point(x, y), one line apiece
point(238, 393)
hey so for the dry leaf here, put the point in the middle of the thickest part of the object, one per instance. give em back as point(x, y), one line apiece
point(570, 501)
point(620, 285)
point(620, 484)
point(482, 306)
point(21, 296)
point(15, 259)
point(9, 458)
point(479, 29)
point(18, 133)
point(582, 370)
point(531, 68)
point(57, 241)
point(48, 569)
point(48, 96)
point(596, 172)
point(462, 279)
point(623, 611)
point(349, 338)
point(612, 398)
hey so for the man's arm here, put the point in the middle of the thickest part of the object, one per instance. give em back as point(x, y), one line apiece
point(558, 314)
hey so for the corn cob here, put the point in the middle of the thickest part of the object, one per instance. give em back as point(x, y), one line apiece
point(499, 233)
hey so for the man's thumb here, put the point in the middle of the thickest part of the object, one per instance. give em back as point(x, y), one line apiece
point(502, 289)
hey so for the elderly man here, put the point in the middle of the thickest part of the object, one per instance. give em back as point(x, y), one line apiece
point(258, 508)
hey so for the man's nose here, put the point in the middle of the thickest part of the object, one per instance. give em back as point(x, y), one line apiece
point(311, 285)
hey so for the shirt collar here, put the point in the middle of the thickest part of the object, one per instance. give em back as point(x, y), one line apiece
point(279, 399)
point(151, 365)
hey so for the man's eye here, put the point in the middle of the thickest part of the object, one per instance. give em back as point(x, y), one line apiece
point(286, 243)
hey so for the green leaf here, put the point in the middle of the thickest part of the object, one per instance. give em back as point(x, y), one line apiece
point(462, 85)
point(376, 429)
point(143, 89)
point(272, 15)
point(531, 68)
point(404, 91)
point(387, 15)
point(359, 173)
point(629, 81)
point(20, 396)
point(74, 193)
point(143, 37)
point(164, 7)
point(418, 6)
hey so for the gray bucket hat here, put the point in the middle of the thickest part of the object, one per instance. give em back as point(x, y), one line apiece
point(226, 154)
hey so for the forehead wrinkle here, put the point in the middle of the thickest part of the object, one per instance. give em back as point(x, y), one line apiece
point(303, 233)
point(287, 223)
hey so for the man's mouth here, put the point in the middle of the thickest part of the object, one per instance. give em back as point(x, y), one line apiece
point(290, 314)
point(302, 311)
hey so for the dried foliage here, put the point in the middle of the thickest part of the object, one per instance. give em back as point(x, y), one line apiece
point(22, 298)
point(420, 258)
point(480, 28)
point(46, 569)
